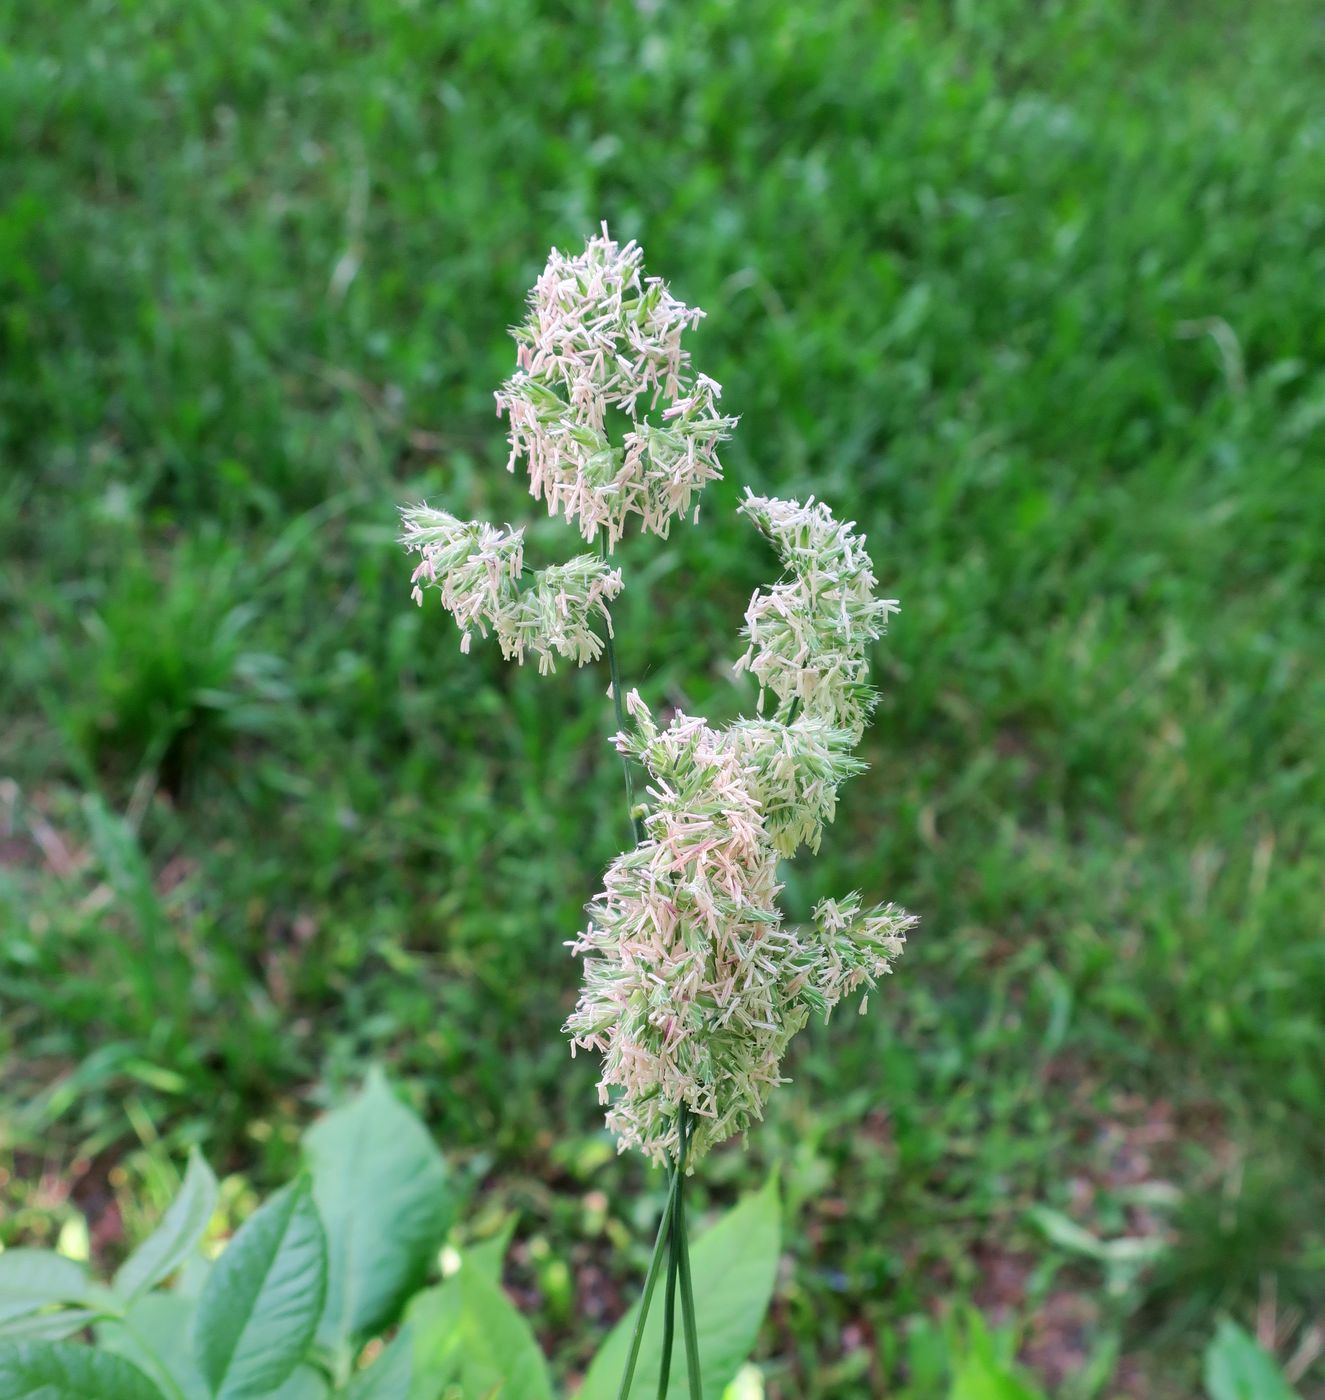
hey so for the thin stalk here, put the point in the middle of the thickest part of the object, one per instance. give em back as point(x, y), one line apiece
point(687, 1288)
point(669, 1298)
point(650, 1280)
point(671, 1228)
point(636, 825)
point(673, 1258)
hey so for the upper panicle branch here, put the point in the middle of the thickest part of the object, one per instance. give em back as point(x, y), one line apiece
point(612, 422)
point(601, 354)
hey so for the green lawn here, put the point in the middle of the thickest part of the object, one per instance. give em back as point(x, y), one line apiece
point(1034, 292)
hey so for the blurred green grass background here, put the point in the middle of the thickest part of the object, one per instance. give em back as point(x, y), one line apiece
point(1035, 292)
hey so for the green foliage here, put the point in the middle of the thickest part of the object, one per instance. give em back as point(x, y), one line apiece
point(244, 1326)
point(155, 1332)
point(352, 1241)
point(965, 1358)
point(248, 1332)
point(734, 1266)
point(390, 1376)
point(1031, 291)
point(984, 1369)
point(168, 696)
point(262, 1300)
point(1236, 1368)
point(31, 1279)
point(383, 1211)
point(178, 1235)
point(62, 1371)
point(470, 1343)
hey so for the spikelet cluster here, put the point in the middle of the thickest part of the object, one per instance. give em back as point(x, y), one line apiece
point(604, 409)
point(479, 571)
point(808, 635)
point(611, 422)
point(795, 771)
point(693, 983)
point(683, 949)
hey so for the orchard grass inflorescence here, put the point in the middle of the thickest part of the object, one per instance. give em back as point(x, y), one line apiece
point(693, 982)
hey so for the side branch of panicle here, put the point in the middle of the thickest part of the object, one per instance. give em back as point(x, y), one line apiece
point(477, 569)
point(808, 635)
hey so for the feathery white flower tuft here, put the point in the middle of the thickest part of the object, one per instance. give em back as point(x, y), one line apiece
point(599, 353)
point(809, 633)
point(477, 569)
point(693, 985)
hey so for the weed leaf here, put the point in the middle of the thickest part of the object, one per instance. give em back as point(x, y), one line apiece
point(181, 1228)
point(263, 1298)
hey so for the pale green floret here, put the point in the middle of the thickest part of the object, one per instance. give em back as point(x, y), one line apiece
point(797, 769)
point(850, 947)
point(809, 634)
point(477, 569)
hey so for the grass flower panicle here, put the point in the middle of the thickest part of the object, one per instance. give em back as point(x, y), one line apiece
point(599, 352)
point(693, 982)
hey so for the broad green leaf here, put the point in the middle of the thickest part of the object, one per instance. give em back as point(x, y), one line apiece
point(467, 1334)
point(489, 1256)
point(192, 1276)
point(175, 1239)
point(48, 1326)
point(380, 1186)
point(1237, 1368)
point(303, 1383)
point(69, 1371)
point(32, 1279)
point(154, 1334)
point(388, 1378)
point(261, 1303)
point(432, 1322)
point(734, 1266)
